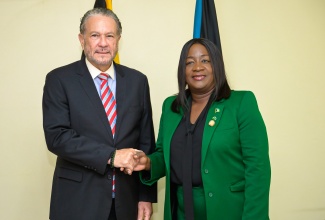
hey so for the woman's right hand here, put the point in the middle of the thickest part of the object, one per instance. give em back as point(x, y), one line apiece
point(144, 162)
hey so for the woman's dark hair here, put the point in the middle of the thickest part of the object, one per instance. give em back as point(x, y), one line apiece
point(222, 89)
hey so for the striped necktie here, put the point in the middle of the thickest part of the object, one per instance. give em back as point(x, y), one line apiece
point(109, 104)
point(108, 101)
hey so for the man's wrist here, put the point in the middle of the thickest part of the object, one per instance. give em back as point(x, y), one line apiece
point(111, 159)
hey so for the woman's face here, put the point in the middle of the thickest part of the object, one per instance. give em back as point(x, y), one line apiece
point(198, 70)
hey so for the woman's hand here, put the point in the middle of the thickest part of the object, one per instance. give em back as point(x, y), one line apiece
point(143, 163)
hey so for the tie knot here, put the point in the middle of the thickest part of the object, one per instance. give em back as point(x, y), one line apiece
point(103, 76)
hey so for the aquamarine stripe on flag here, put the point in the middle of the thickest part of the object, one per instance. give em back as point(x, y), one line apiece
point(197, 19)
point(206, 22)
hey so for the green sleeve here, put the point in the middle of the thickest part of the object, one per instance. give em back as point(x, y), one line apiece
point(254, 142)
point(157, 170)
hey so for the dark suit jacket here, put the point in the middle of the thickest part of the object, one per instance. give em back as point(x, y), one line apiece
point(77, 131)
point(235, 165)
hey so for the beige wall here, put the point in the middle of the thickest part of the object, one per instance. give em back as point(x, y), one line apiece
point(275, 48)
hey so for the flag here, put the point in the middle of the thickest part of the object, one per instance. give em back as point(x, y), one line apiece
point(206, 22)
point(106, 4)
point(100, 4)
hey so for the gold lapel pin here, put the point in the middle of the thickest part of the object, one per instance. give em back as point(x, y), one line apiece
point(212, 123)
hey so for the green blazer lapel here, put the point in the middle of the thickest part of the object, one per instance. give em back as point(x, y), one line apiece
point(211, 123)
point(172, 121)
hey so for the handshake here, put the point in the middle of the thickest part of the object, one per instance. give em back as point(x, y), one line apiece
point(129, 160)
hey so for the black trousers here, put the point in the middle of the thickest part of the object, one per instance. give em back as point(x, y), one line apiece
point(112, 213)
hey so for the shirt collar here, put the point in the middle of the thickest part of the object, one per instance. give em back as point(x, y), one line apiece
point(94, 72)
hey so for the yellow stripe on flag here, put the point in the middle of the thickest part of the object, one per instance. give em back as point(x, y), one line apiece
point(109, 5)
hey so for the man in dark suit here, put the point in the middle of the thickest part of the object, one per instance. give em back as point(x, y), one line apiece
point(92, 145)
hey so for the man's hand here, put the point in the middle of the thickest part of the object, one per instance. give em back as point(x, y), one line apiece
point(144, 210)
point(143, 163)
point(126, 159)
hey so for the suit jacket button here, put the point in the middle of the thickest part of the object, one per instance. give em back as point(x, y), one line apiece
point(109, 177)
point(210, 194)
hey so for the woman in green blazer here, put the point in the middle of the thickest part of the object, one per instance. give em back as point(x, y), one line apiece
point(212, 145)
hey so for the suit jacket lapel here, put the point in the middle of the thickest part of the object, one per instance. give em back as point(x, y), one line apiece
point(211, 123)
point(120, 97)
point(87, 83)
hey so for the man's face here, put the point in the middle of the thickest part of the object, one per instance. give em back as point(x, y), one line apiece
point(100, 41)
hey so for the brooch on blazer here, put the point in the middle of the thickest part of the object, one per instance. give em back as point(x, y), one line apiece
point(212, 122)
